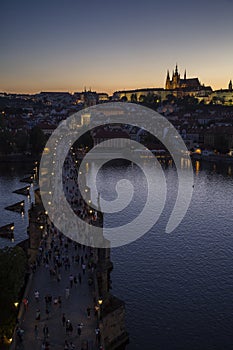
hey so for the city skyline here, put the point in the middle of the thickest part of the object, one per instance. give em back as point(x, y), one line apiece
point(66, 46)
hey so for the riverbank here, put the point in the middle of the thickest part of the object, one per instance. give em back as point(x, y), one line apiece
point(213, 158)
point(18, 158)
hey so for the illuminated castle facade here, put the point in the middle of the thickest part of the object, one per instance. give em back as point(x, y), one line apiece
point(176, 82)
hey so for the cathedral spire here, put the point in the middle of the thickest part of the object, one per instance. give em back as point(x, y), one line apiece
point(176, 69)
point(230, 85)
point(168, 82)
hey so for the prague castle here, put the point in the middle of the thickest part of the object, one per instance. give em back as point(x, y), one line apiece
point(177, 83)
point(179, 87)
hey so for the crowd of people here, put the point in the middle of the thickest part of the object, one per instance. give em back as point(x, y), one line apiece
point(69, 264)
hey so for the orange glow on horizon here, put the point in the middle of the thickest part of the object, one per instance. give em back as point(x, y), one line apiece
point(104, 89)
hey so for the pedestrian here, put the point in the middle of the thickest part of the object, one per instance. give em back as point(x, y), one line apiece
point(97, 335)
point(71, 278)
point(37, 295)
point(25, 303)
point(75, 281)
point(46, 300)
point(47, 313)
point(96, 309)
point(72, 346)
point(80, 278)
point(63, 319)
point(19, 333)
point(79, 329)
point(36, 331)
point(66, 346)
point(58, 277)
point(38, 315)
point(68, 264)
point(77, 259)
point(70, 328)
point(59, 302)
point(45, 331)
point(88, 312)
point(84, 268)
point(50, 299)
point(67, 326)
point(67, 292)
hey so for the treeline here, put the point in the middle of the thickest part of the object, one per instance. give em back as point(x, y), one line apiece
point(13, 262)
point(21, 141)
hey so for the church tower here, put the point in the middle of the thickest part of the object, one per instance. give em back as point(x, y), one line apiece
point(168, 82)
point(230, 86)
point(176, 79)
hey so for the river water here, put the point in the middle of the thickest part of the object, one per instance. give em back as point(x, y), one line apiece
point(178, 287)
point(10, 176)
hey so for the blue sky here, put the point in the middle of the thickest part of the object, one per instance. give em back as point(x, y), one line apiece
point(107, 45)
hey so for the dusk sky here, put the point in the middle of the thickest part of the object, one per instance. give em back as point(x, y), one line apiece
point(65, 45)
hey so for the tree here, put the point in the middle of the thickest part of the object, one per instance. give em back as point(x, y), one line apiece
point(13, 262)
point(21, 141)
point(142, 98)
point(170, 98)
point(37, 140)
point(6, 141)
point(85, 140)
point(150, 98)
point(221, 143)
point(133, 98)
point(124, 99)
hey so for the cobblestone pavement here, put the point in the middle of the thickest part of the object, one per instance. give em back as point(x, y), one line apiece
point(74, 307)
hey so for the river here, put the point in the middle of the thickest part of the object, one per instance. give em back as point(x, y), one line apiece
point(178, 287)
point(10, 176)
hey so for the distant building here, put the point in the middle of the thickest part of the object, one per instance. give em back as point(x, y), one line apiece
point(56, 98)
point(177, 83)
point(102, 97)
point(139, 94)
point(219, 137)
point(223, 96)
point(114, 138)
point(85, 119)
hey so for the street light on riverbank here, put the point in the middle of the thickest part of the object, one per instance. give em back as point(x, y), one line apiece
point(100, 302)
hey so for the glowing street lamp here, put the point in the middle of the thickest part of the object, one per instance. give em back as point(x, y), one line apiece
point(100, 302)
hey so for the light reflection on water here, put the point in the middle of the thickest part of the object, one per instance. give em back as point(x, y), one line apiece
point(10, 176)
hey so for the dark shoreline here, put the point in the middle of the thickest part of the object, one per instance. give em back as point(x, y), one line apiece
point(18, 158)
point(213, 158)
